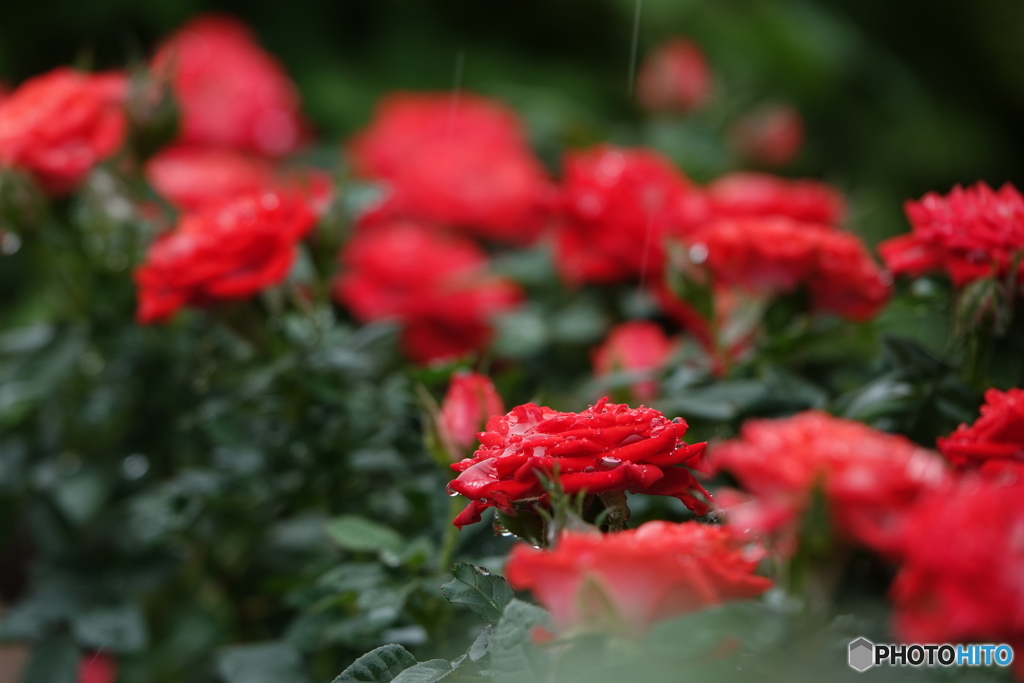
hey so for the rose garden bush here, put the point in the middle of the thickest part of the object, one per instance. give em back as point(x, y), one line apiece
point(273, 410)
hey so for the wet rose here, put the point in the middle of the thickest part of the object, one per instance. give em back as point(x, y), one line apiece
point(617, 206)
point(747, 194)
point(639, 348)
point(674, 77)
point(870, 479)
point(606, 448)
point(58, 126)
point(456, 160)
point(225, 252)
point(970, 234)
point(995, 442)
point(230, 91)
point(630, 580)
point(470, 402)
point(435, 285)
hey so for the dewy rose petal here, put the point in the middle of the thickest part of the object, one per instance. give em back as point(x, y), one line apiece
point(970, 233)
point(457, 160)
point(870, 478)
point(607, 447)
point(995, 442)
point(629, 580)
point(436, 285)
point(58, 126)
point(230, 91)
point(226, 251)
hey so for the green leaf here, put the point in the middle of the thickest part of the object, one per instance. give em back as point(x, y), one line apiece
point(54, 661)
point(121, 629)
point(479, 590)
point(425, 672)
point(514, 659)
point(481, 647)
point(378, 666)
point(271, 662)
point(356, 533)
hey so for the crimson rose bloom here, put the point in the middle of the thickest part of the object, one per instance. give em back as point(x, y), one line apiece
point(961, 566)
point(769, 256)
point(59, 125)
point(617, 206)
point(193, 177)
point(675, 77)
point(639, 347)
point(748, 194)
point(230, 91)
point(97, 668)
point(607, 447)
point(634, 578)
point(869, 478)
point(771, 135)
point(995, 442)
point(457, 160)
point(226, 251)
point(470, 402)
point(436, 285)
point(970, 234)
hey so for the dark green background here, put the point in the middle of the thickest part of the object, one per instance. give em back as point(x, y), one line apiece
point(900, 97)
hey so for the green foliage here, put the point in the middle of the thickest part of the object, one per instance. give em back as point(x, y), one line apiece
point(479, 590)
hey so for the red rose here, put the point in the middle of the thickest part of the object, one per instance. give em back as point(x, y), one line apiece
point(97, 668)
point(436, 285)
point(230, 91)
point(193, 177)
point(631, 579)
point(470, 402)
point(961, 566)
point(870, 478)
point(970, 234)
point(457, 160)
point(995, 442)
point(618, 205)
point(59, 125)
point(225, 251)
point(607, 447)
point(768, 256)
point(747, 194)
point(771, 135)
point(638, 347)
point(675, 77)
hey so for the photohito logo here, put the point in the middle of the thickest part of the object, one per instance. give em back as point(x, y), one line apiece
point(864, 654)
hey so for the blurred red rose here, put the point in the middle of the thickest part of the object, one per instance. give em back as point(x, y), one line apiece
point(870, 478)
point(97, 668)
point(617, 206)
point(674, 77)
point(638, 347)
point(436, 285)
point(995, 442)
point(59, 125)
point(607, 447)
point(771, 135)
point(962, 561)
point(230, 91)
point(769, 256)
point(970, 234)
point(629, 580)
point(746, 194)
point(225, 251)
point(470, 402)
point(458, 160)
point(192, 177)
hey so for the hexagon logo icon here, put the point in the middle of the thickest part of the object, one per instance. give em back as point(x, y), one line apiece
point(862, 654)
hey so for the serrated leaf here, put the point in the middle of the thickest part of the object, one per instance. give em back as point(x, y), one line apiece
point(356, 533)
point(514, 658)
point(425, 672)
point(272, 662)
point(476, 588)
point(378, 666)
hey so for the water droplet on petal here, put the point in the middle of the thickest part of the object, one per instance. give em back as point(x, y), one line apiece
point(609, 463)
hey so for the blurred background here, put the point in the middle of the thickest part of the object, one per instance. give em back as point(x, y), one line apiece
point(898, 98)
